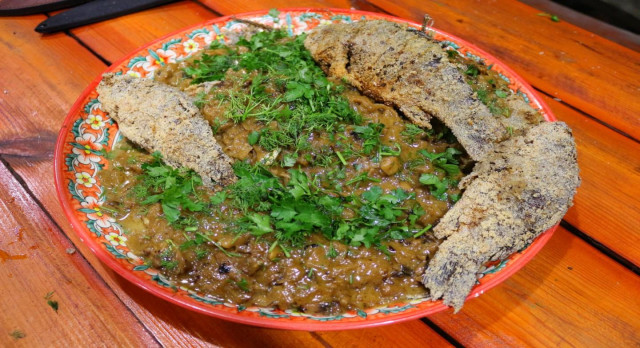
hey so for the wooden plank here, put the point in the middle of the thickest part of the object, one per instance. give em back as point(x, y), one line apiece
point(607, 205)
point(593, 74)
point(129, 32)
point(41, 75)
point(170, 324)
point(34, 262)
point(568, 295)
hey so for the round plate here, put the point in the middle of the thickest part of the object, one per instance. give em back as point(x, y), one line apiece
point(87, 131)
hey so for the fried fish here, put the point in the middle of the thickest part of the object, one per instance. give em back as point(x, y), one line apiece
point(522, 187)
point(161, 118)
point(404, 67)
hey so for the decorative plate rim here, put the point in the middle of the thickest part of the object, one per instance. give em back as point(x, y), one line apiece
point(496, 277)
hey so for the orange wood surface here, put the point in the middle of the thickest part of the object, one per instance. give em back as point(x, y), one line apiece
point(545, 304)
point(127, 33)
point(586, 71)
point(607, 205)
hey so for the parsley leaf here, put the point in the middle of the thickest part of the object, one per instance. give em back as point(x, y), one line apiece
point(438, 186)
point(444, 160)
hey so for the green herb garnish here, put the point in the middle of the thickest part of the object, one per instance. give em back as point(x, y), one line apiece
point(438, 186)
point(553, 17)
point(291, 212)
point(17, 334)
point(332, 253)
point(52, 303)
point(243, 284)
point(445, 160)
point(308, 102)
point(174, 189)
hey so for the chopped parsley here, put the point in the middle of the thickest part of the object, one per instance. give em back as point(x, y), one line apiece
point(52, 303)
point(552, 17)
point(307, 100)
point(445, 160)
point(174, 189)
point(488, 91)
point(332, 253)
point(17, 334)
point(291, 212)
point(243, 284)
point(438, 186)
point(412, 132)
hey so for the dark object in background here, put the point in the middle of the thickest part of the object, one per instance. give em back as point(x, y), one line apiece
point(27, 7)
point(623, 14)
point(95, 11)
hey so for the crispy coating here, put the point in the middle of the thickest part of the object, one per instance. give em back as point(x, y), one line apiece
point(405, 68)
point(161, 118)
point(522, 188)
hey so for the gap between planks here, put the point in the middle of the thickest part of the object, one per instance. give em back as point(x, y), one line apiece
point(584, 114)
point(440, 331)
point(601, 247)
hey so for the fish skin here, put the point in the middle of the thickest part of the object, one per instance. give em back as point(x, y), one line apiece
point(404, 67)
point(521, 189)
point(161, 118)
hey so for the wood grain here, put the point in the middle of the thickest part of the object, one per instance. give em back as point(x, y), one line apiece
point(39, 75)
point(568, 295)
point(34, 262)
point(607, 205)
point(227, 7)
point(593, 303)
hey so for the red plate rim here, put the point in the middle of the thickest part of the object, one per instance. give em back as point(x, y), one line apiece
point(308, 325)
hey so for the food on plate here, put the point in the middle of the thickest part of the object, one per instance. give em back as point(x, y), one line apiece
point(160, 118)
point(327, 214)
point(272, 184)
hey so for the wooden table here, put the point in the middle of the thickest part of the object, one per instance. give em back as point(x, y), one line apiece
point(583, 289)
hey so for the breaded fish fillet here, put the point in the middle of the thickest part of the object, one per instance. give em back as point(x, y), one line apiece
point(521, 188)
point(404, 67)
point(161, 118)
